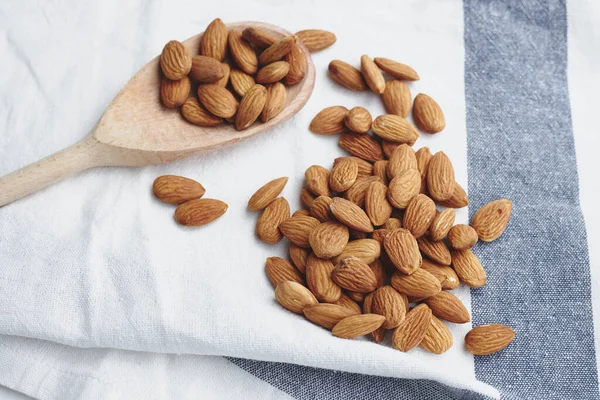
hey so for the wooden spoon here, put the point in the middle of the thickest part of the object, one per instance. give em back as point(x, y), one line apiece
point(136, 129)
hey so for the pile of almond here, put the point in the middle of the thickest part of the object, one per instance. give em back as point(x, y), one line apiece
point(239, 73)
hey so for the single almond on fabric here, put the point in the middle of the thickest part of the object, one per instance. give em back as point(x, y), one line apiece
point(214, 40)
point(423, 156)
point(294, 297)
point(438, 338)
point(267, 225)
point(413, 329)
point(380, 234)
point(372, 74)
point(199, 212)
point(396, 69)
point(343, 174)
point(389, 147)
point(448, 307)
point(468, 268)
point(368, 250)
point(396, 98)
point(241, 81)
point(266, 194)
point(488, 339)
point(277, 50)
point(276, 98)
point(206, 69)
point(329, 239)
point(378, 334)
point(357, 325)
point(298, 255)
point(358, 120)
point(395, 129)
point(462, 237)
point(259, 37)
point(306, 198)
point(458, 199)
point(377, 206)
point(272, 73)
point(380, 272)
point(250, 107)
point(242, 53)
point(280, 270)
point(365, 168)
point(358, 192)
point(317, 180)
point(353, 274)
point(401, 247)
point(361, 145)
point(318, 279)
point(218, 100)
point(329, 121)
point(436, 251)
point(296, 58)
point(403, 188)
point(297, 229)
point(445, 274)
point(393, 223)
point(388, 302)
point(440, 177)
point(490, 220)
point(442, 223)
point(174, 189)
point(350, 215)
point(320, 209)
point(174, 93)
point(380, 170)
point(402, 159)
point(316, 39)
point(195, 113)
point(347, 76)
point(175, 60)
point(419, 215)
point(225, 79)
point(427, 114)
point(418, 284)
point(347, 302)
point(327, 315)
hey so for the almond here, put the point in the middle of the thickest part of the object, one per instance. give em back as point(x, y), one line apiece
point(273, 72)
point(395, 129)
point(389, 147)
point(206, 69)
point(280, 270)
point(402, 159)
point(436, 251)
point(317, 180)
point(174, 189)
point(488, 339)
point(380, 273)
point(357, 325)
point(380, 234)
point(442, 223)
point(440, 177)
point(396, 98)
point(427, 114)
point(302, 212)
point(318, 278)
point(445, 274)
point(327, 315)
point(419, 215)
point(174, 93)
point(214, 40)
point(458, 199)
point(350, 214)
point(358, 120)
point(195, 113)
point(298, 255)
point(396, 69)
point(175, 60)
point(401, 247)
point(418, 284)
point(361, 145)
point(365, 168)
point(468, 268)
point(438, 338)
point(241, 81)
point(316, 39)
point(259, 37)
point(320, 209)
point(266, 194)
point(250, 107)
point(403, 188)
point(329, 239)
point(199, 211)
point(298, 65)
point(354, 235)
point(372, 74)
point(346, 75)
point(294, 297)
point(329, 121)
point(276, 98)
point(243, 54)
point(388, 302)
point(447, 306)
point(368, 250)
point(413, 329)
point(267, 225)
point(225, 79)
point(306, 198)
point(277, 50)
point(377, 206)
point(348, 303)
point(393, 223)
point(378, 334)
point(490, 220)
point(218, 100)
point(343, 174)
point(462, 237)
point(380, 170)
point(423, 156)
point(297, 229)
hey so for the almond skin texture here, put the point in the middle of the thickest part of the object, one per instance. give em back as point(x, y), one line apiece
point(380, 234)
point(365, 168)
point(276, 98)
point(462, 237)
point(395, 129)
point(389, 147)
point(402, 159)
point(388, 302)
point(488, 339)
point(372, 74)
point(259, 37)
point(195, 113)
point(490, 220)
point(440, 177)
point(206, 69)
point(368, 250)
point(403, 188)
point(267, 225)
point(442, 223)
point(348, 303)
point(419, 284)
point(266, 194)
point(423, 156)
point(296, 58)
point(318, 278)
point(272, 73)
point(357, 325)
point(294, 297)
point(438, 338)
point(436, 251)
point(427, 114)
point(280, 270)
point(329, 239)
point(396, 98)
point(225, 79)
point(358, 192)
point(174, 93)
point(316, 39)
point(327, 315)
point(343, 174)
point(377, 206)
point(419, 215)
point(175, 60)
point(447, 306)
point(380, 272)
point(250, 107)
point(358, 120)
point(401, 247)
point(199, 212)
point(350, 215)
point(297, 229)
point(445, 274)
point(241, 81)
point(393, 223)
point(378, 334)
point(361, 145)
point(301, 212)
point(320, 209)
point(298, 255)
point(329, 121)
point(218, 100)
point(214, 40)
point(306, 198)
point(380, 170)
point(277, 50)
point(413, 329)
point(317, 180)
point(347, 76)
point(174, 189)
point(353, 274)
point(243, 54)
point(468, 268)
point(396, 69)
point(458, 199)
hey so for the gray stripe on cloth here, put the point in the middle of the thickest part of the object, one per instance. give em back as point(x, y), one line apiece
point(520, 146)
